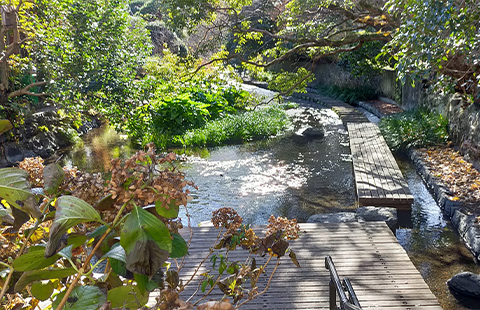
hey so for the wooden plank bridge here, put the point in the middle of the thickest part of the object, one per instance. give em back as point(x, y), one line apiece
point(379, 181)
point(379, 269)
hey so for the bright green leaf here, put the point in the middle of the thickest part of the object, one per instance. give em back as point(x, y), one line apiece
point(5, 125)
point(179, 247)
point(15, 190)
point(34, 260)
point(126, 297)
point(42, 291)
point(169, 211)
point(38, 275)
point(82, 298)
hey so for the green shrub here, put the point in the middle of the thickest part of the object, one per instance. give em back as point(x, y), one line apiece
point(350, 95)
point(415, 128)
point(243, 127)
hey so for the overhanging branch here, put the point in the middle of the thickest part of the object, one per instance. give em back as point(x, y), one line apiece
point(26, 91)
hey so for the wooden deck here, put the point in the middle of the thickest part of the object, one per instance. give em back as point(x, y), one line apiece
point(368, 254)
point(378, 179)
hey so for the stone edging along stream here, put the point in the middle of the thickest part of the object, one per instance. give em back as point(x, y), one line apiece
point(465, 224)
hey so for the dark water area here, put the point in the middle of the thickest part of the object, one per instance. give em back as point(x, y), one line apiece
point(296, 176)
point(432, 243)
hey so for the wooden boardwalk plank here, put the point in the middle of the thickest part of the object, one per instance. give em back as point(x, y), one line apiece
point(367, 253)
point(379, 180)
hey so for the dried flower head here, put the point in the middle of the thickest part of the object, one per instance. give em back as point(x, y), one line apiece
point(227, 218)
point(290, 228)
point(34, 166)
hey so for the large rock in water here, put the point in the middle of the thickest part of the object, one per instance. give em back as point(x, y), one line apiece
point(314, 133)
point(466, 284)
point(342, 217)
point(388, 215)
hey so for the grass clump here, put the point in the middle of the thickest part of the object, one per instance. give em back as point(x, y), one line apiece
point(238, 128)
point(415, 128)
point(350, 95)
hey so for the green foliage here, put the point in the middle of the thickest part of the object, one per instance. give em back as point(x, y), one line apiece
point(364, 62)
point(350, 95)
point(246, 126)
point(437, 40)
point(92, 51)
point(415, 128)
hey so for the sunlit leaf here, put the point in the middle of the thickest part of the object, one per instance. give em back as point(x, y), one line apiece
point(15, 190)
point(70, 211)
point(127, 297)
point(38, 275)
point(82, 298)
point(34, 260)
point(5, 125)
point(42, 291)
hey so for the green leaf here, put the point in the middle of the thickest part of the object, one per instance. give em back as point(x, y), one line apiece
point(33, 260)
point(82, 298)
point(76, 240)
point(70, 211)
point(168, 211)
point(53, 176)
point(117, 252)
point(179, 247)
point(127, 297)
point(14, 188)
point(42, 291)
point(146, 241)
point(119, 267)
point(38, 275)
point(5, 125)
point(66, 252)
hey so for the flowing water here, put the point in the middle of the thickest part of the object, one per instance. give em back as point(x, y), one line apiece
point(296, 176)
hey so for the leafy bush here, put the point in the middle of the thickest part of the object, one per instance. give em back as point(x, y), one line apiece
point(51, 236)
point(415, 128)
point(247, 126)
point(350, 95)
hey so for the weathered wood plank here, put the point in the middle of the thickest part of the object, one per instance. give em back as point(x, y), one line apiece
point(367, 253)
point(379, 181)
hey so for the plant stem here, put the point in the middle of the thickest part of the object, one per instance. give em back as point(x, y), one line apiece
point(87, 261)
point(266, 287)
point(10, 274)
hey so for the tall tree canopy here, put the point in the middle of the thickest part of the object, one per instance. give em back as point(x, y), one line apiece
point(81, 51)
point(434, 39)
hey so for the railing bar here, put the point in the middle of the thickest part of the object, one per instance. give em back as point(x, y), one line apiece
point(352, 296)
point(336, 285)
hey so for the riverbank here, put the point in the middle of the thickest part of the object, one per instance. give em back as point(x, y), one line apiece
point(42, 134)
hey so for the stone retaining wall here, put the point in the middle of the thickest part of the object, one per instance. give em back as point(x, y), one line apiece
point(41, 135)
point(465, 223)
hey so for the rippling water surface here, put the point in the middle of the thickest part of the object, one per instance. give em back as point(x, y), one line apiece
point(296, 176)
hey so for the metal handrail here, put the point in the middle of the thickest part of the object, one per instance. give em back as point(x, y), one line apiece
point(338, 287)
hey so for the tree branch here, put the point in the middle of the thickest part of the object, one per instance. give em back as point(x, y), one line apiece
point(25, 90)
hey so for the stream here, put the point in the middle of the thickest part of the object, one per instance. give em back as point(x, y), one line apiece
point(295, 176)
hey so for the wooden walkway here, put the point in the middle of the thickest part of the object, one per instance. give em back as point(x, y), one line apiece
point(378, 179)
point(381, 273)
